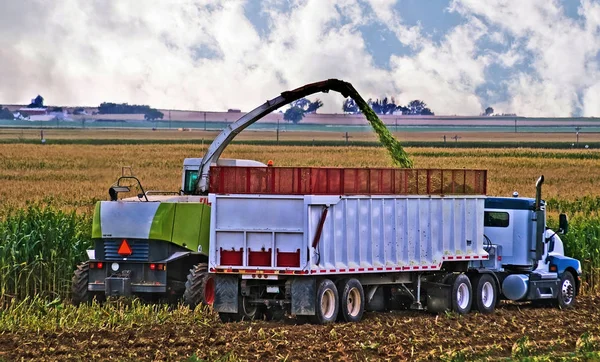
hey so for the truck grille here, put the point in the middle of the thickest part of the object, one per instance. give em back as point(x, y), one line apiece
point(140, 250)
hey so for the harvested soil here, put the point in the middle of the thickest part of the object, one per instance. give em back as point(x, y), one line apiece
point(404, 335)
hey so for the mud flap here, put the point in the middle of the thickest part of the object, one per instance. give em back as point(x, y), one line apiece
point(226, 293)
point(439, 297)
point(303, 296)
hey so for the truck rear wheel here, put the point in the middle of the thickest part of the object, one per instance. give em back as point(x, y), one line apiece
point(462, 293)
point(326, 303)
point(199, 287)
point(566, 291)
point(352, 300)
point(79, 286)
point(485, 296)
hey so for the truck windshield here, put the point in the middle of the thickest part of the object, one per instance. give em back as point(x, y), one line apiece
point(190, 181)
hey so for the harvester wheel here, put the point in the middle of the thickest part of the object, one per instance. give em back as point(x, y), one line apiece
point(199, 287)
point(79, 286)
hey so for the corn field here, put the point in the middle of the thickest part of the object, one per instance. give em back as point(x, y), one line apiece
point(39, 248)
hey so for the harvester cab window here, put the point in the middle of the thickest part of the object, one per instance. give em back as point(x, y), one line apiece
point(496, 219)
point(190, 180)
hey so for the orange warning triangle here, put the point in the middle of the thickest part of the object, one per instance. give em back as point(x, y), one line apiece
point(124, 249)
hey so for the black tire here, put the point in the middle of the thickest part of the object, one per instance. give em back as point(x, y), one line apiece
point(79, 286)
point(199, 287)
point(566, 291)
point(327, 303)
point(486, 293)
point(462, 293)
point(352, 300)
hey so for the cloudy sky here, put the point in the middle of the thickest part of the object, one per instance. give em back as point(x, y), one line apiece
point(530, 57)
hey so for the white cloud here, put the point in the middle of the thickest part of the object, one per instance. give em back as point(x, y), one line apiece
point(206, 54)
point(562, 51)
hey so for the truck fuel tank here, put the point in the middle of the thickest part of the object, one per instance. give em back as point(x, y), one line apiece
point(515, 286)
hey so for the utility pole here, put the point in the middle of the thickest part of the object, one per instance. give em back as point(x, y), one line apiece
point(515, 125)
point(456, 138)
point(205, 121)
point(277, 130)
point(577, 129)
point(347, 137)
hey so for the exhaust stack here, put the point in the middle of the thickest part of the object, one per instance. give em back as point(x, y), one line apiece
point(538, 192)
point(540, 218)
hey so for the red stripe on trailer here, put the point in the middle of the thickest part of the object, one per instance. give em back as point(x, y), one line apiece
point(459, 257)
point(398, 268)
point(449, 257)
point(332, 270)
point(361, 269)
point(379, 268)
point(425, 267)
point(350, 270)
point(370, 269)
point(405, 268)
point(415, 267)
point(389, 268)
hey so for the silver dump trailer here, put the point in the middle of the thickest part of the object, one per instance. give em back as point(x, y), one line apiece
point(327, 244)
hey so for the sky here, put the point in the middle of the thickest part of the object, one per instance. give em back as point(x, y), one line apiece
point(529, 57)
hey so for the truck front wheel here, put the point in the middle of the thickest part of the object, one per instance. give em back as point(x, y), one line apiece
point(566, 292)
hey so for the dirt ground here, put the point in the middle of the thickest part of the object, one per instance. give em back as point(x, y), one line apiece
point(513, 330)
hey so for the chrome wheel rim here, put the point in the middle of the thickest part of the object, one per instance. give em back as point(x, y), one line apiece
point(487, 294)
point(567, 291)
point(462, 296)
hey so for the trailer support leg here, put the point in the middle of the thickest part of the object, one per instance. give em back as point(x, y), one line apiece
point(417, 303)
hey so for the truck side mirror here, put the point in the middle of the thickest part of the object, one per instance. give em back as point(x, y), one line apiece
point(563, 223)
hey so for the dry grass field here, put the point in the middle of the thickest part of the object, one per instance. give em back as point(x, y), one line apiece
point(74, 176)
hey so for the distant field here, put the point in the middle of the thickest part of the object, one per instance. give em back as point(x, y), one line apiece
point(199, 135)
point(75, 176)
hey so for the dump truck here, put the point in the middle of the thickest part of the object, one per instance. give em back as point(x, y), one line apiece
point(324, 244)
point(329, 244)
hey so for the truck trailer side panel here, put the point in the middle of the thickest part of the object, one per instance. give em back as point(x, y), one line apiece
point(343, 234)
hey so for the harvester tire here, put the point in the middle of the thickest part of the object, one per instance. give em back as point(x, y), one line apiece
point(199, 287)
point(79, 286)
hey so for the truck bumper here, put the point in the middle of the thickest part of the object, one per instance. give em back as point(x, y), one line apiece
point(124, 287)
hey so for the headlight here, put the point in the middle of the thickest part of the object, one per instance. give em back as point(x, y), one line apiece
point(114, 266)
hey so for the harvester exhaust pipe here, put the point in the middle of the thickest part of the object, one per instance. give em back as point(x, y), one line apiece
point(540, 218)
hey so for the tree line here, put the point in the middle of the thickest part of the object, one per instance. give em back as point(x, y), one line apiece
point(389, 106)
point(150, 114)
